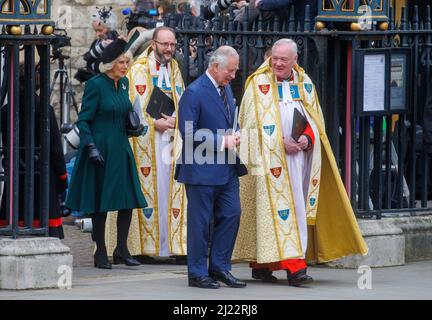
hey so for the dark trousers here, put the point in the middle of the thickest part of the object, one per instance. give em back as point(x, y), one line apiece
point(222, 205)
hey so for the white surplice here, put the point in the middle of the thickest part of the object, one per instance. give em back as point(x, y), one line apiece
point(298, 164)
point(163, 164)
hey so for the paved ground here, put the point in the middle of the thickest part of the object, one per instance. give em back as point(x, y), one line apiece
point(412, 281)
point(148, 282)
point(80, 244)
point(168, 281)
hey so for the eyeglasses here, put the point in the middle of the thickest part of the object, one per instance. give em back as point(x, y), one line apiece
point(166, 44)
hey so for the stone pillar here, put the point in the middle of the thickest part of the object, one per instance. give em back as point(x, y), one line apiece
point(34, 263)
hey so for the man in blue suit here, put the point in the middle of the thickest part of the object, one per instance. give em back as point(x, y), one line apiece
point(210, 169)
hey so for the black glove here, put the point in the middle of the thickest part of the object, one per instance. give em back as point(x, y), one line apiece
point(137, 132)
point(94, 155)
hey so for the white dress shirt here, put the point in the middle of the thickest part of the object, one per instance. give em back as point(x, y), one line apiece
point(218, 90)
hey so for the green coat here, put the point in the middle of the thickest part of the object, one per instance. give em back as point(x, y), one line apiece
point(101, 121)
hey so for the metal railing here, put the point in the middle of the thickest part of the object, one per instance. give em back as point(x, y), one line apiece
point(381, 159)
point(25, 141)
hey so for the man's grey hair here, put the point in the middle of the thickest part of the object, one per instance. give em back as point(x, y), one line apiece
point(286, 42)
point(221, 55)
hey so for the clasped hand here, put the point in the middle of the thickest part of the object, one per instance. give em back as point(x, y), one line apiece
point(232, 141)
point(165, 123)
point(292, 147)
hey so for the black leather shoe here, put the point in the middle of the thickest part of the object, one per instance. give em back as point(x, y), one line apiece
point(119, 258)
point(146, 259)
point(203, 282)
point(264, 275)
point(102, 263)
point(227, 278)
point(181, 260)
point(299, 278)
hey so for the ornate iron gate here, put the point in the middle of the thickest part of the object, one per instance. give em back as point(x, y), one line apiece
point(25, 33)
point(381, 157)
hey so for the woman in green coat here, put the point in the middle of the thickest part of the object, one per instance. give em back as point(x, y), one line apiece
point(105, 175)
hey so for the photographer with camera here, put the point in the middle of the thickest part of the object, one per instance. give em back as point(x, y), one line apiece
point(144, 14)
point(272, 8)
point(104, 23)
point(210, 10)
point(144, 17)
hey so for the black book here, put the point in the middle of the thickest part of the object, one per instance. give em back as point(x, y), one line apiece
point(159, 103)
point(299, 125)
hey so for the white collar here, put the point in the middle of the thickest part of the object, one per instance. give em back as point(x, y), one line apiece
point(286, 92)
point(213, 81)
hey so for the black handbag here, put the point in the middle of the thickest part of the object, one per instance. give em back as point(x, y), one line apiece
point(132, 120)
point(134, 127)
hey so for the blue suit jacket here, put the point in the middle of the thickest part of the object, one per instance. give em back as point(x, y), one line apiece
point(203, 108)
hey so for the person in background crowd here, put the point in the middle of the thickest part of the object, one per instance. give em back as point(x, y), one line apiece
point(57, 166)
point(164, 8)
point(299, 8)
point(104, 23)
point(281, 8)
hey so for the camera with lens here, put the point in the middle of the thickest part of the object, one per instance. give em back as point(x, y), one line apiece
point(61, 39)
point(210, 10)
point(71, 135)
point(144, 15)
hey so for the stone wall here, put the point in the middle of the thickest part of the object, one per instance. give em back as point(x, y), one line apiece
point(392, 242)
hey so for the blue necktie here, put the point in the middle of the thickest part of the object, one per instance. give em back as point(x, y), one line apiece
point(225, 101)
